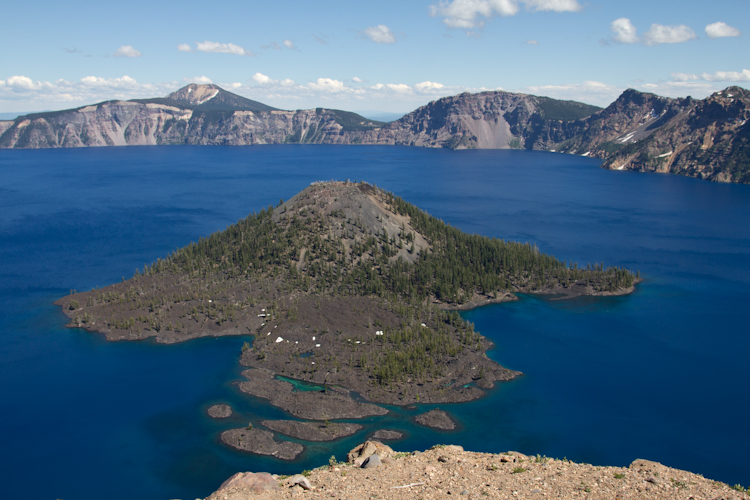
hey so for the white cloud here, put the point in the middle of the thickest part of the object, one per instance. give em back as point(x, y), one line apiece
point(659, 33)
point(553, 5)
point(718, 76)
point(380, 34)
point(727, 76)
point(200, 80)
point(33, 95)
point(356, 79)
point(623, 31)
point(683, 77)
point(328, 85)
point(287, 82)
point(223, 48)
point(425, 86)
point(721, 30)
point(97, 81)
point(400, 88)
point(467, 14)
point(289, 44)
point(532, 42)
point(23, 84)
point(183, 47)
point(261, 78)
point(127, 51)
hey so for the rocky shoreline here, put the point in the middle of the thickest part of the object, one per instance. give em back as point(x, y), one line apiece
point(310, 405)
point(449, 470)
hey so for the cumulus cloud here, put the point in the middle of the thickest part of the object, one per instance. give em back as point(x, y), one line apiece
point(97, 81)
point(623, 31)
point(328, 85)
point(659, 34)
point(289, 44)
point(223, 48)
point(356, 79)
point(23, 83)
point(468, 14)
point(532, 42)
point(683, 77)
point(718, 76)
point(400, 88)
point(424, 86)
point(127, 51)
point(553, 5)
point(183, 47)
point(331, 92)
point(35, 95)
point(380, 34)
point(261, 78)
point(721, 30)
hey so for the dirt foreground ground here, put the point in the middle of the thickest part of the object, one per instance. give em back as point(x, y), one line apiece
point(448, 471)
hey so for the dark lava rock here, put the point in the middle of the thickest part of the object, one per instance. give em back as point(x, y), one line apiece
point(305, 404)
point(220, 411)
point(387, 434)
point(436, 419)
point(261, 442)
point(312, 431)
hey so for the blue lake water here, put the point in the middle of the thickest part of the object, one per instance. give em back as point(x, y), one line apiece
point(660, 374)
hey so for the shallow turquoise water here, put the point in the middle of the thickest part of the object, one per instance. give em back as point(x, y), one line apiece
point(660, 374)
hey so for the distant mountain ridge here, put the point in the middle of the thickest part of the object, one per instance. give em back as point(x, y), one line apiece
point(708, 138)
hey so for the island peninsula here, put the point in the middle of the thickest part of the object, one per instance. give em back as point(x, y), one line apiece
point(346, 286)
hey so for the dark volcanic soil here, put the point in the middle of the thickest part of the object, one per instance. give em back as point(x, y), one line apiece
point(338, 333)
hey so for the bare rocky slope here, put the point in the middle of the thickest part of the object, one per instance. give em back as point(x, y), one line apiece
point(447, 471)
point(706, 138)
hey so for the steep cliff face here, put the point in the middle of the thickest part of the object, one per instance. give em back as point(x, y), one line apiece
point(196, 114)
point(707, 138)
point(489, 120)
point(207, 114)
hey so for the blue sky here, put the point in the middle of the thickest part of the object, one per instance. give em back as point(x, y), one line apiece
point(390, 56)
